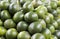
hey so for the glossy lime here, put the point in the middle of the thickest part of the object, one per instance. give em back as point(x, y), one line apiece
point(22, 26)
point(23, 35)
point(27, 6)
point(11, 33)
point(14, 7)
point(4, 5)
point(9, 23)
point(2, 31)
point(5, 15)
point(47, 33)
point(18, 16)
point(35, 27)
point(31, 16)
point(38, 36)
point(41, 11)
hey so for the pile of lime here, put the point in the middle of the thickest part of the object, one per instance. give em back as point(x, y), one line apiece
point(29, 19)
